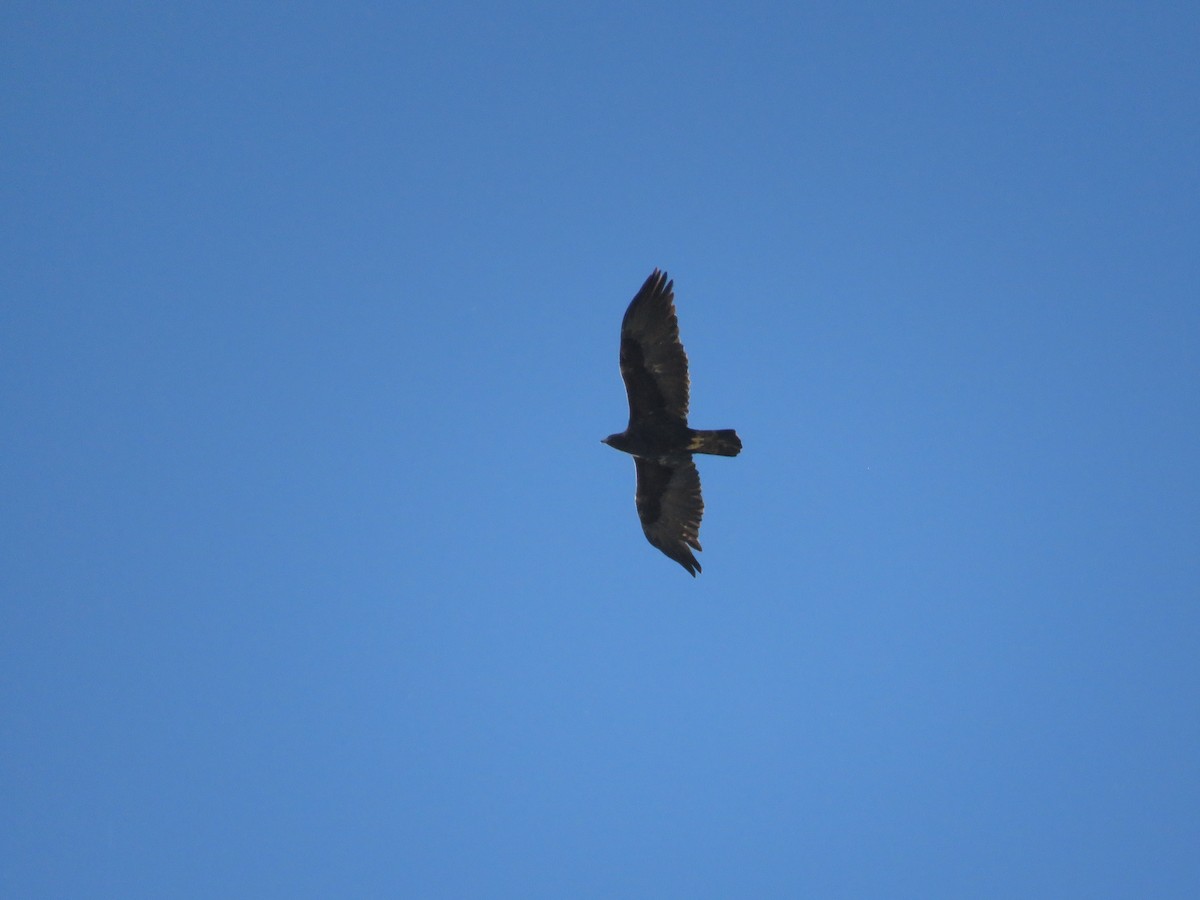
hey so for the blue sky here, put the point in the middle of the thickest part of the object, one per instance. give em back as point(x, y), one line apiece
point(317, 581)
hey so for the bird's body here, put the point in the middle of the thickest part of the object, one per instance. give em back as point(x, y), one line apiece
point(655, 370)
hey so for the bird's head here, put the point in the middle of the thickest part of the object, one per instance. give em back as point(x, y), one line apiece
point(616, 441)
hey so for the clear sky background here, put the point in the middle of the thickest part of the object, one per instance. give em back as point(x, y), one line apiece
point(317, 582)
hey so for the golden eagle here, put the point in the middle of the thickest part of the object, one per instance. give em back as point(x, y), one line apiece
point(655, 370)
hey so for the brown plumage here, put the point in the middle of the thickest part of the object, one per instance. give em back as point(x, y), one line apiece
point(655, 369)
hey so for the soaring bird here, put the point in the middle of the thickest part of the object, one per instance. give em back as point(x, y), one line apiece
point(655, 369)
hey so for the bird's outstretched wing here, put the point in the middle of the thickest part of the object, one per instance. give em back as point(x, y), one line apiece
point(670, 507)
point(653, 363)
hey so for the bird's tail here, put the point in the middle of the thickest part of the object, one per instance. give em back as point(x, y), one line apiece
point(719, 443)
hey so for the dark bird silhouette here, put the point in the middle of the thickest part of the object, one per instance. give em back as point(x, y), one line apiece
point(655, 368)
